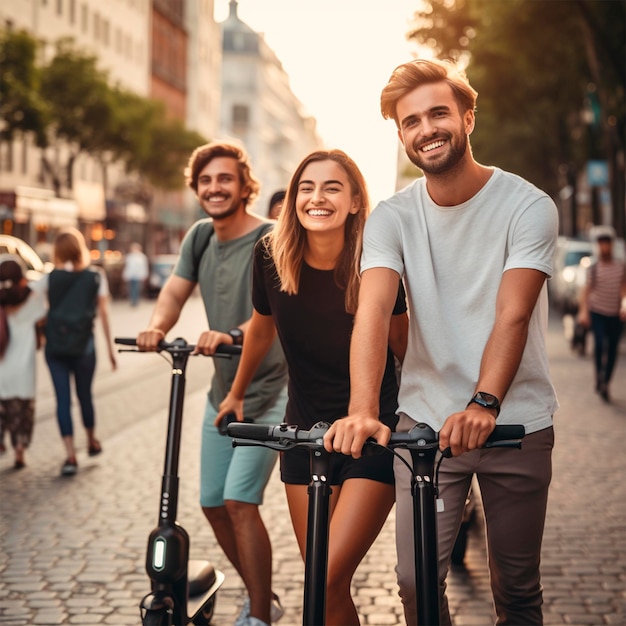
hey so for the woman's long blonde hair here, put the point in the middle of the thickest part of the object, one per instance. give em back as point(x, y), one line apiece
point(286, 243)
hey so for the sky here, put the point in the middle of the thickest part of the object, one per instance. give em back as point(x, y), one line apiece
point(338, 55)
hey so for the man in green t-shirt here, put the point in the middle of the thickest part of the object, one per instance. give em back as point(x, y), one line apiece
point(232, 480)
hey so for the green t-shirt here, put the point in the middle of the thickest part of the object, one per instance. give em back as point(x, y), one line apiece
point(224, 275)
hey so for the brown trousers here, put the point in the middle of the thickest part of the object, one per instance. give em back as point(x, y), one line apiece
point(514, 489)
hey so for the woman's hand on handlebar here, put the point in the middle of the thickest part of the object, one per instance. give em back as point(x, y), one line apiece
point(348, 434)
point(467, 430)
point(209, 340)
point(229, 404)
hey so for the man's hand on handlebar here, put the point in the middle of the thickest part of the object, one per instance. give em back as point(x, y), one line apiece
point(348, 434)
point(209, 340)
point(467, 430)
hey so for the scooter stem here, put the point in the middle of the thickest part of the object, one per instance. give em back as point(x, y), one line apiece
point(314, 611)
point(425, 527)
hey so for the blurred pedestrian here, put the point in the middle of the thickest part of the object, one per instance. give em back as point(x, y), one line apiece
point(77, 293)
point(602, 308)
point(305, 289)
point(43, 247)
point(21, 309)
point(276, 204)
point(216, 254)
point(135, 272)
point(474, 245)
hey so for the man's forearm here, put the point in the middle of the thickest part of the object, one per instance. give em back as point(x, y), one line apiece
point(368, 357)
point(166, 313)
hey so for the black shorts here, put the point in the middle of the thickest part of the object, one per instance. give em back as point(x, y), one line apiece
point(295, 467)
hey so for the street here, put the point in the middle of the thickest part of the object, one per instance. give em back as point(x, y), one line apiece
point(72, 550)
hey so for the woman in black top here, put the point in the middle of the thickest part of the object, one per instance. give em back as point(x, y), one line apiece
point(305, 288)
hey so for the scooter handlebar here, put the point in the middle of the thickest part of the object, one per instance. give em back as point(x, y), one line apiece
point(423, 436)
point(180, 344)
point(278, 437)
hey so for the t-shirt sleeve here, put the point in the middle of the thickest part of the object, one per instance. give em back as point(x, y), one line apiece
point(382, 242)
point(185, 266)
point(103, 284)
point(37, 305)
point(532, 241)
point(260, 299)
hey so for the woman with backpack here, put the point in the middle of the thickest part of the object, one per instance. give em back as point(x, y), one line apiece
point(20, 310)
point(76, 294)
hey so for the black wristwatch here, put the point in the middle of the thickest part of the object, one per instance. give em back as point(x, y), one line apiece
point(237, 336)
point(487, 400)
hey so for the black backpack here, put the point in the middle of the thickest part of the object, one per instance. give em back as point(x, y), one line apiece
point(73, 298)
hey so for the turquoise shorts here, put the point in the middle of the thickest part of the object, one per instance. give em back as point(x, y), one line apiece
point(241, 473)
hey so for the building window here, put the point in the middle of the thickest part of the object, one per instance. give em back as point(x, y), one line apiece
point(241, 117)
point(59, 7)
point(8, 159)
point(24, 156)
point(72, 11)
point(84, 18)
point(96, 26)
point(105, 32)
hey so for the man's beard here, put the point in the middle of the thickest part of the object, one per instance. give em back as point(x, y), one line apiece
point(221, 214)
point(457, 150)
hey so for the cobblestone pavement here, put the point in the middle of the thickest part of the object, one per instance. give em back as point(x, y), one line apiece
point(72, 550)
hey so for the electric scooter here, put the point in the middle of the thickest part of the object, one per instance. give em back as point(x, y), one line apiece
point(183, 591)
point(422, 442)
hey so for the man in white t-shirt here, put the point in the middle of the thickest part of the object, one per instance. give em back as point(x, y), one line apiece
point(135, 272)
point(474, 246)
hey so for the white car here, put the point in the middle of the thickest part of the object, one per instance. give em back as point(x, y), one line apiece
point(35, 267)
point(564, 285)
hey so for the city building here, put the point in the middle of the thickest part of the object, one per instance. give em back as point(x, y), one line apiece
point(222, 80)
point(259, 109)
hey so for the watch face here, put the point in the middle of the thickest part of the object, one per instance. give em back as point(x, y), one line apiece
point(487, 398)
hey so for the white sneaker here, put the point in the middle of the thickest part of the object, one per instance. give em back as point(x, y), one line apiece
point(276, 608)
point(255, 621)
point(244, 614)
point(276, 612)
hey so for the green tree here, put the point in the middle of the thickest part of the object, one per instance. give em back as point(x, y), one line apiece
point(81, 111)
point(72, 108)
point(542, 70)
point(22, 109)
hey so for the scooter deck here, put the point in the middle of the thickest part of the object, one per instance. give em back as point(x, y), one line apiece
point(196, 602)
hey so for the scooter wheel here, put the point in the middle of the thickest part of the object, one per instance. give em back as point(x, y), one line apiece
point(204, 617)
point(156, 618)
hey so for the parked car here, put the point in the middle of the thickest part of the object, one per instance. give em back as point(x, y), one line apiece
point(564, 285)
point(35, 267)
point(161, 266)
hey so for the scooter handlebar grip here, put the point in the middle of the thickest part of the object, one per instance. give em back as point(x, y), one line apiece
point(126, 341)
point(505, 432)
point(226, 348)
point(257, 432)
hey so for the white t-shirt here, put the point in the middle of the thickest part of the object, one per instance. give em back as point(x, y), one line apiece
point(17, 368)
point(452, 260)
point(135, 266)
